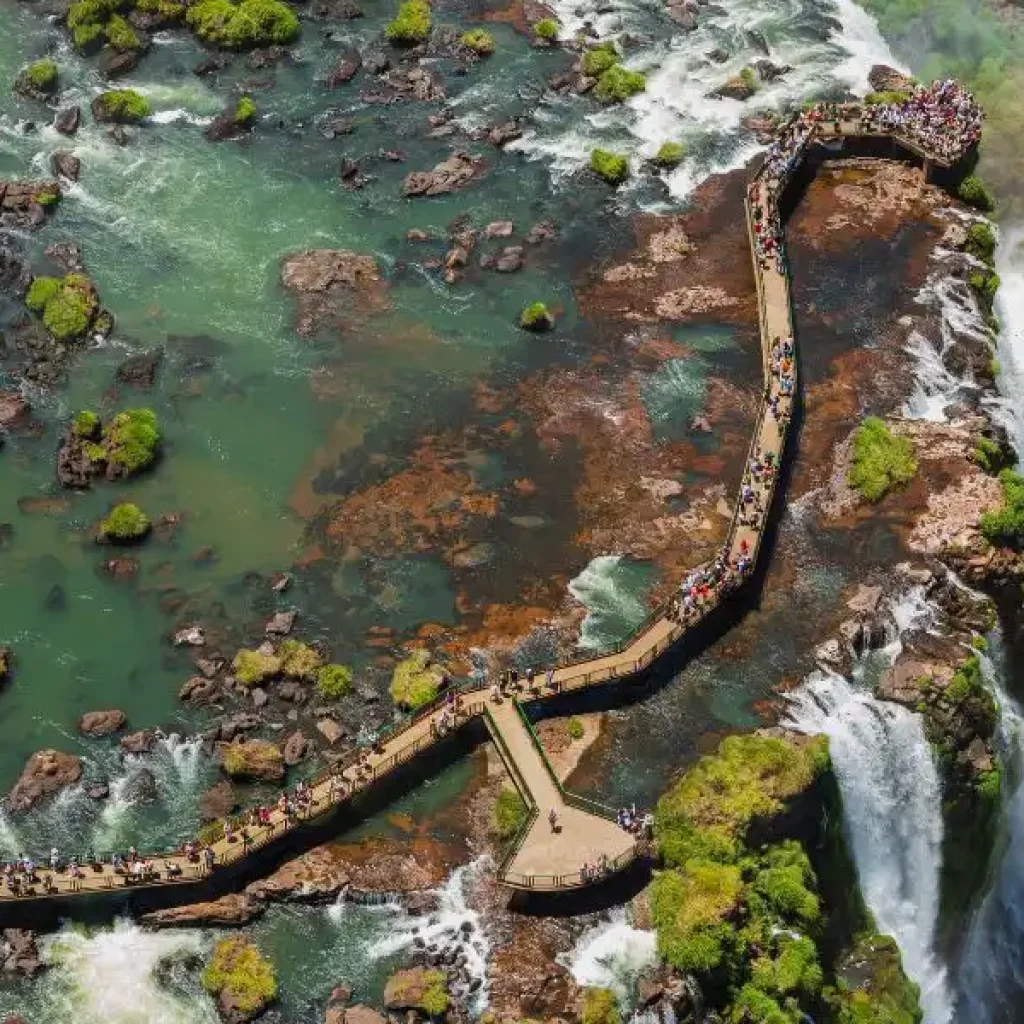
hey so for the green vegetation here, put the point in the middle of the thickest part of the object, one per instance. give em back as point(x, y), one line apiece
point(478, 40)
point(245, 112)
point(48, 197)
point(68, 305)
point(131, 440)
point(333, 681)
point(546, 28)
point(411, 25)
point(125, 523)
point(416, 681)
point(872, 988)
point(87, 424)
point(299, 660)
point(600, 1006)
point(536, 317)
point(121, 36)
point(881, 460)
point(981, 242)
point(973, 192)
point(211, 832)
point(253, 760)
point(1005, 526)
point(599, 59)
point(886, 96)
point(241, 974)
point(574, 727)
point(613, 167)
point(749, 79)
point(167, 9)
point(984, 284)
point(41, 75)
point(434, 1001)
point(87, 20)
point(618, 84)
point(122, 106)
point(253, 667)
point(669, 154)
point(243, 25)
point(509, 814)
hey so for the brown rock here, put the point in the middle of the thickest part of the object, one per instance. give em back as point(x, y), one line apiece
point(252, 760)
point(358, 1015)
point(67, 120)
point(499, 229)
point(190, 636)
point(121, 569)
point(330, 730)
point(218, 802)
point(66, 165)
point(296, 747)
point(20, 953)
point(454, 173)
point(101, 723)
point(229, 911)
point(14, 409)
point(45, 773)
point(198, 690)
point(141, 742)
point(406, 989)
point(281, 623)
point(330, 285)
point(344, 70)
point(883, 78)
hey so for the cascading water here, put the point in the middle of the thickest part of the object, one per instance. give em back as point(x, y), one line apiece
point(613, 590)
point(892, 803)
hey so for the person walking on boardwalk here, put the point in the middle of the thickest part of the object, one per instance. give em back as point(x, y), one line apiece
point(553, 820)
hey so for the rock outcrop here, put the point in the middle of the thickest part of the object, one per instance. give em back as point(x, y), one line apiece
point(454, 173)
point(45, 774)
point(231, 911)
point(331, 286)
point(95, 724)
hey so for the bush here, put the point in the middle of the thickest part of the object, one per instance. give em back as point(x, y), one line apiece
point(240, 974)
point(1005, 527)
point(121, 36)
point(415, 681)
point(669, 154)
point(299, 660)
point(985, 284)
point(509, 814)
point(536, 317)
point(68, 305)
point(411, 25)
point(123, 106)
point(881, 460)
point(886, 96)
point(251, 667)
point(131, 440)
point(434, 1001)
point(479, 41)
point(86, 424)
point(574, 728)
point(243, 25)
point(48, 196)
point(600, 1006)
point(618, 84)
point(546, 28)
point(981, 242)
point(41, 292)
point(333, 681)
point(872, 987)
point(41, 75)
point(210, 833)
point(599, 59)
point(245, 112)
point(972, 191)
point(613, 167)
point(752, 1006)
point(783, 884)
point(992, 456)
point(167, 9)
point(749, 79)
point(794, 969)
point(125, 523)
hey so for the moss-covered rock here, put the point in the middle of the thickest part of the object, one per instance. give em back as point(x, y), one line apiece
point(536, 317)
point(125, 524)
point(245, 112)
point(411, 25)
point(598, 59)
point(618, 84)
point(599, 1006)
point(254, 667)
point(131, 441)
point(480, 41)
point(241, 978)
point(418, 988)
point(612, 167)
point(872, 987)
point(333, 681)
point(973, 191)
point(546, 29)
point(881, 460)
point(68, 305)
point(253, 760)
point(244, 25)
point(299, 660)
point(121, 106)
point(416, 681)
point(670, 154)
point(39, 80)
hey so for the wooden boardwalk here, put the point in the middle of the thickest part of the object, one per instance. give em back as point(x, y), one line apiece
point(586, 837)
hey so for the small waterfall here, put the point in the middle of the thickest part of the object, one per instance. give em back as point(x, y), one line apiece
point(612, 589)
point(1010, 351)
point(892, 803)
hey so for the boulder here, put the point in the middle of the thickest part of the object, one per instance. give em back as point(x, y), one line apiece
point(190, 636)
point(344, 70)
point(407, 989)
point(141, 742)
point(101, 723)
point(330, 284)
point(330, 730)
point(199, 690)
point(46, 773)
point(139, 371)
point(219, 801)
point(20, 953)
point(499, 229)
point(66, 165)
point(114, 64)
point(735, 88)
point(67, 256)
point(67, 120)
point(231, 911)
point(253, 760)
point(358, 1014)
point(509, 259)
point(121, 568)
point(296, 747)
point(542, 231)
point(280, 582)
point(140, 787)
point(883, 78)
point(281, 623)
point(454, 173)
point(14, 409)
point(865, 600)
point(97, 791)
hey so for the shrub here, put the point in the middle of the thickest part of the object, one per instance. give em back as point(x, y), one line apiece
point(125, 523)
point(600, 1006)
point(546, 28)
point(245, 112)
point(795, 968)
point(599, 59)
point(41, 292)
point(299, 660)
point(881, 460)
point(618, 84)
point(479, 41)
point(252, 667)
point(210, 833)
point(574, 727)
point(749, 79)
point(131, 440)
point(415, 681)
point(87, 20)
point(168, 9)
point(86, 423)
point(613, 167)
point(509, 814)
point(411, 25)
point(752, 1006)
point(783, 884)
point(434, 1001)
point(536, 317)
point(981, 242)
point(985, 284)
point(48, 197)
point(41, 75)
point(243, 25)
point(1005, 526)
point(992, 456)
point(240, 974)
point(669, 154)
point(886, 96)
point(333, 681)
point(121, 36)
point(972, 191)
point(68, 304)
point(124, 106)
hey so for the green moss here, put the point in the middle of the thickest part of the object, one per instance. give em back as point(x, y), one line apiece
point(613, 167)
point(253, 760)
point(68, 305)
point(85, 37)
point(574, 727)
point(243, 25)
point(784, 885)
point(600, 1006)
point(251, 668)
point(669, 154)
point(167, 9)
point(86, 424)
point(872, 987)
point(125, 523)
point(124, 106)
point(972, 191)
point(874, 99)
point(752, 1006)
point(41, 292)
point(121, 36)
point(245, 112)
point(87, 21)
point(132, 439)
point(211, 832)
point(992, 456)
point(41, 75)
point(985, 284)
point(299, 660)
point(96, 453)
point(546, 28)
point(333, 681)
point(981, 242)
point(536, 317)
point(509, 814)
point(599, 59)
point(411, 25)
point(240, 973)
point(434, 1001)
point(618, 84)
point(478, 40)
point(415, 681)
point(50, 197)
point(749, 79)
point(1005, 526)
point(881, 460)
point(792, 967)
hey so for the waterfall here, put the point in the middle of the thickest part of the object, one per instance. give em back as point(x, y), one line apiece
point(892, 803)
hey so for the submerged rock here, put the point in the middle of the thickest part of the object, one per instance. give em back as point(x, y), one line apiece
point(139, 371)
point(67, 120)
point(45, 774)
point(454, 173)
point(331, 285)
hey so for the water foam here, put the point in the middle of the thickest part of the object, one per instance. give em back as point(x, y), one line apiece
point(614, 608)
